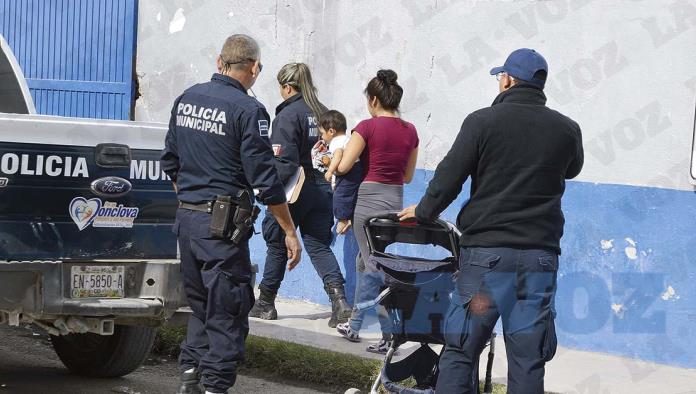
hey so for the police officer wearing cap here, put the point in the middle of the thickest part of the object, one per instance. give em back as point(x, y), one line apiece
point(518, 153)
point(218, 155)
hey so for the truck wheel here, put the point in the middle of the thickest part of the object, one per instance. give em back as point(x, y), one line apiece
point(105, 356)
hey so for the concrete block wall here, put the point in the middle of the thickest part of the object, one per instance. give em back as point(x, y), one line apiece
point(625, 70)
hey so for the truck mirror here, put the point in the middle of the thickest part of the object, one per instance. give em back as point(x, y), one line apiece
point(14, 92)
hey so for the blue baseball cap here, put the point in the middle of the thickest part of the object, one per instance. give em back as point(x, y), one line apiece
point(522, 64)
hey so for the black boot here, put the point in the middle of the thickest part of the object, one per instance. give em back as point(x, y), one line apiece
point(190, 383)
point(340, 310)
point(264, 308)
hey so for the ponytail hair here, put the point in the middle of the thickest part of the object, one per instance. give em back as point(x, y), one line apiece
point(298, 76)
point(385, 88)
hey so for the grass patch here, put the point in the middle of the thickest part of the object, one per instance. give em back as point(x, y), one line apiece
point(312, 365)
point(291, 361)
point(168, 340)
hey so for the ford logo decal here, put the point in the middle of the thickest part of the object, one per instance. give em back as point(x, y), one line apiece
point(111, 186)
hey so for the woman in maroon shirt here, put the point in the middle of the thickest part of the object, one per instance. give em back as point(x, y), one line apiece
point(388, 148)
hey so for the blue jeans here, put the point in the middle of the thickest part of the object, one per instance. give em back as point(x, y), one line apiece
point(350, 248)
point(368, 286)
point(312, 212)
point(516, 285)
point(372, 198)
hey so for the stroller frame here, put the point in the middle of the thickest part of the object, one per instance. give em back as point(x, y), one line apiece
point(382, 230)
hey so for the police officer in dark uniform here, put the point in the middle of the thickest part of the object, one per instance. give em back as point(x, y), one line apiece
point(217, 149)
point(295, 132)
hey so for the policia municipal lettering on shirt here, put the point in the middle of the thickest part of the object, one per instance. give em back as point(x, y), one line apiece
point(200, 118)
point(216, 153)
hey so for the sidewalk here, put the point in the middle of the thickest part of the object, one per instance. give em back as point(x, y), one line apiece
point(571, 371)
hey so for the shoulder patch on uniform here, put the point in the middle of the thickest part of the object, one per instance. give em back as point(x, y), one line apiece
point(277, 149)
point(263, 128)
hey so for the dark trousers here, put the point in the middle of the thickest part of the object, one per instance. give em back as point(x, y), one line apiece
point(312, 213)
point(346, 192)
point(516, 285)
point(217, 284)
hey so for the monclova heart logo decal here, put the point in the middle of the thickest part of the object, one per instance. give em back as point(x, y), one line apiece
point(83, 211)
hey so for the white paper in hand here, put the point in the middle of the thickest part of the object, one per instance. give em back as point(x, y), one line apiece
point(294, 185)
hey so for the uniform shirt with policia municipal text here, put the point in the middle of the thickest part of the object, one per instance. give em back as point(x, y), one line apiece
point(217, 144)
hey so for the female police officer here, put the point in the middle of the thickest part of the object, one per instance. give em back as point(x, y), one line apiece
point(294, 133)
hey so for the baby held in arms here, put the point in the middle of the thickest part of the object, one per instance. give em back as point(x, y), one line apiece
point(332, 125)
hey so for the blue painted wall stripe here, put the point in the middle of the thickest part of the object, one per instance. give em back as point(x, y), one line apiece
point(613, 296)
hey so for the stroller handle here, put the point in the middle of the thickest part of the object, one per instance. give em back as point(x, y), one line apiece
point(389, 215)
point(384, 228)
point(392, 218)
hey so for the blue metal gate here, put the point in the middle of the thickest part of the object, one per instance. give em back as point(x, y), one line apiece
point(78, 55)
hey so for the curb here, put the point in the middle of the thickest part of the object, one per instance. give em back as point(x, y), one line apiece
point(339, 372)
point(291, 361)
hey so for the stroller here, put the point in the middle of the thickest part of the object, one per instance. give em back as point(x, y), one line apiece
point(416, 297)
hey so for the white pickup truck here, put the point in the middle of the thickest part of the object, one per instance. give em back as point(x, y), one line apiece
point(86, 248)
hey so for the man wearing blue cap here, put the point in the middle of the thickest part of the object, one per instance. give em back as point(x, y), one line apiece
point(518, 153)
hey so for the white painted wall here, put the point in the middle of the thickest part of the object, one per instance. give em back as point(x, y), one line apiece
point(625, 70)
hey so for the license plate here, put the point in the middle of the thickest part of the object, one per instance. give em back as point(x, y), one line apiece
point(102, 281)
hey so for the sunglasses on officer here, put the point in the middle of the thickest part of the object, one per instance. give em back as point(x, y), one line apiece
point(241, 61)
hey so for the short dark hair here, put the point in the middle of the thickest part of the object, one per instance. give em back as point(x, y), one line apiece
point(385, 88)
point(238, 51)
point(333, 119)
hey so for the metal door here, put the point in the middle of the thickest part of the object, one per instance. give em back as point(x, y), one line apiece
point(78, 55)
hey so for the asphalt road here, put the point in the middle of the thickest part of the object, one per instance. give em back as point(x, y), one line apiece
point(29, 365)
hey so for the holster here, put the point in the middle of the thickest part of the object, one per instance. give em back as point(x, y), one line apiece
point(220, 223)
point(233, 217)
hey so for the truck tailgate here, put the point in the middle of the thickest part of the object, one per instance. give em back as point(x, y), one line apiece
point(83, 189)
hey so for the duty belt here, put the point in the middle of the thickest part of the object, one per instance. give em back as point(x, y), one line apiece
point(206, 207)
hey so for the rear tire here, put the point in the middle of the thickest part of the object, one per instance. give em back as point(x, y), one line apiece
point(105, 356)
